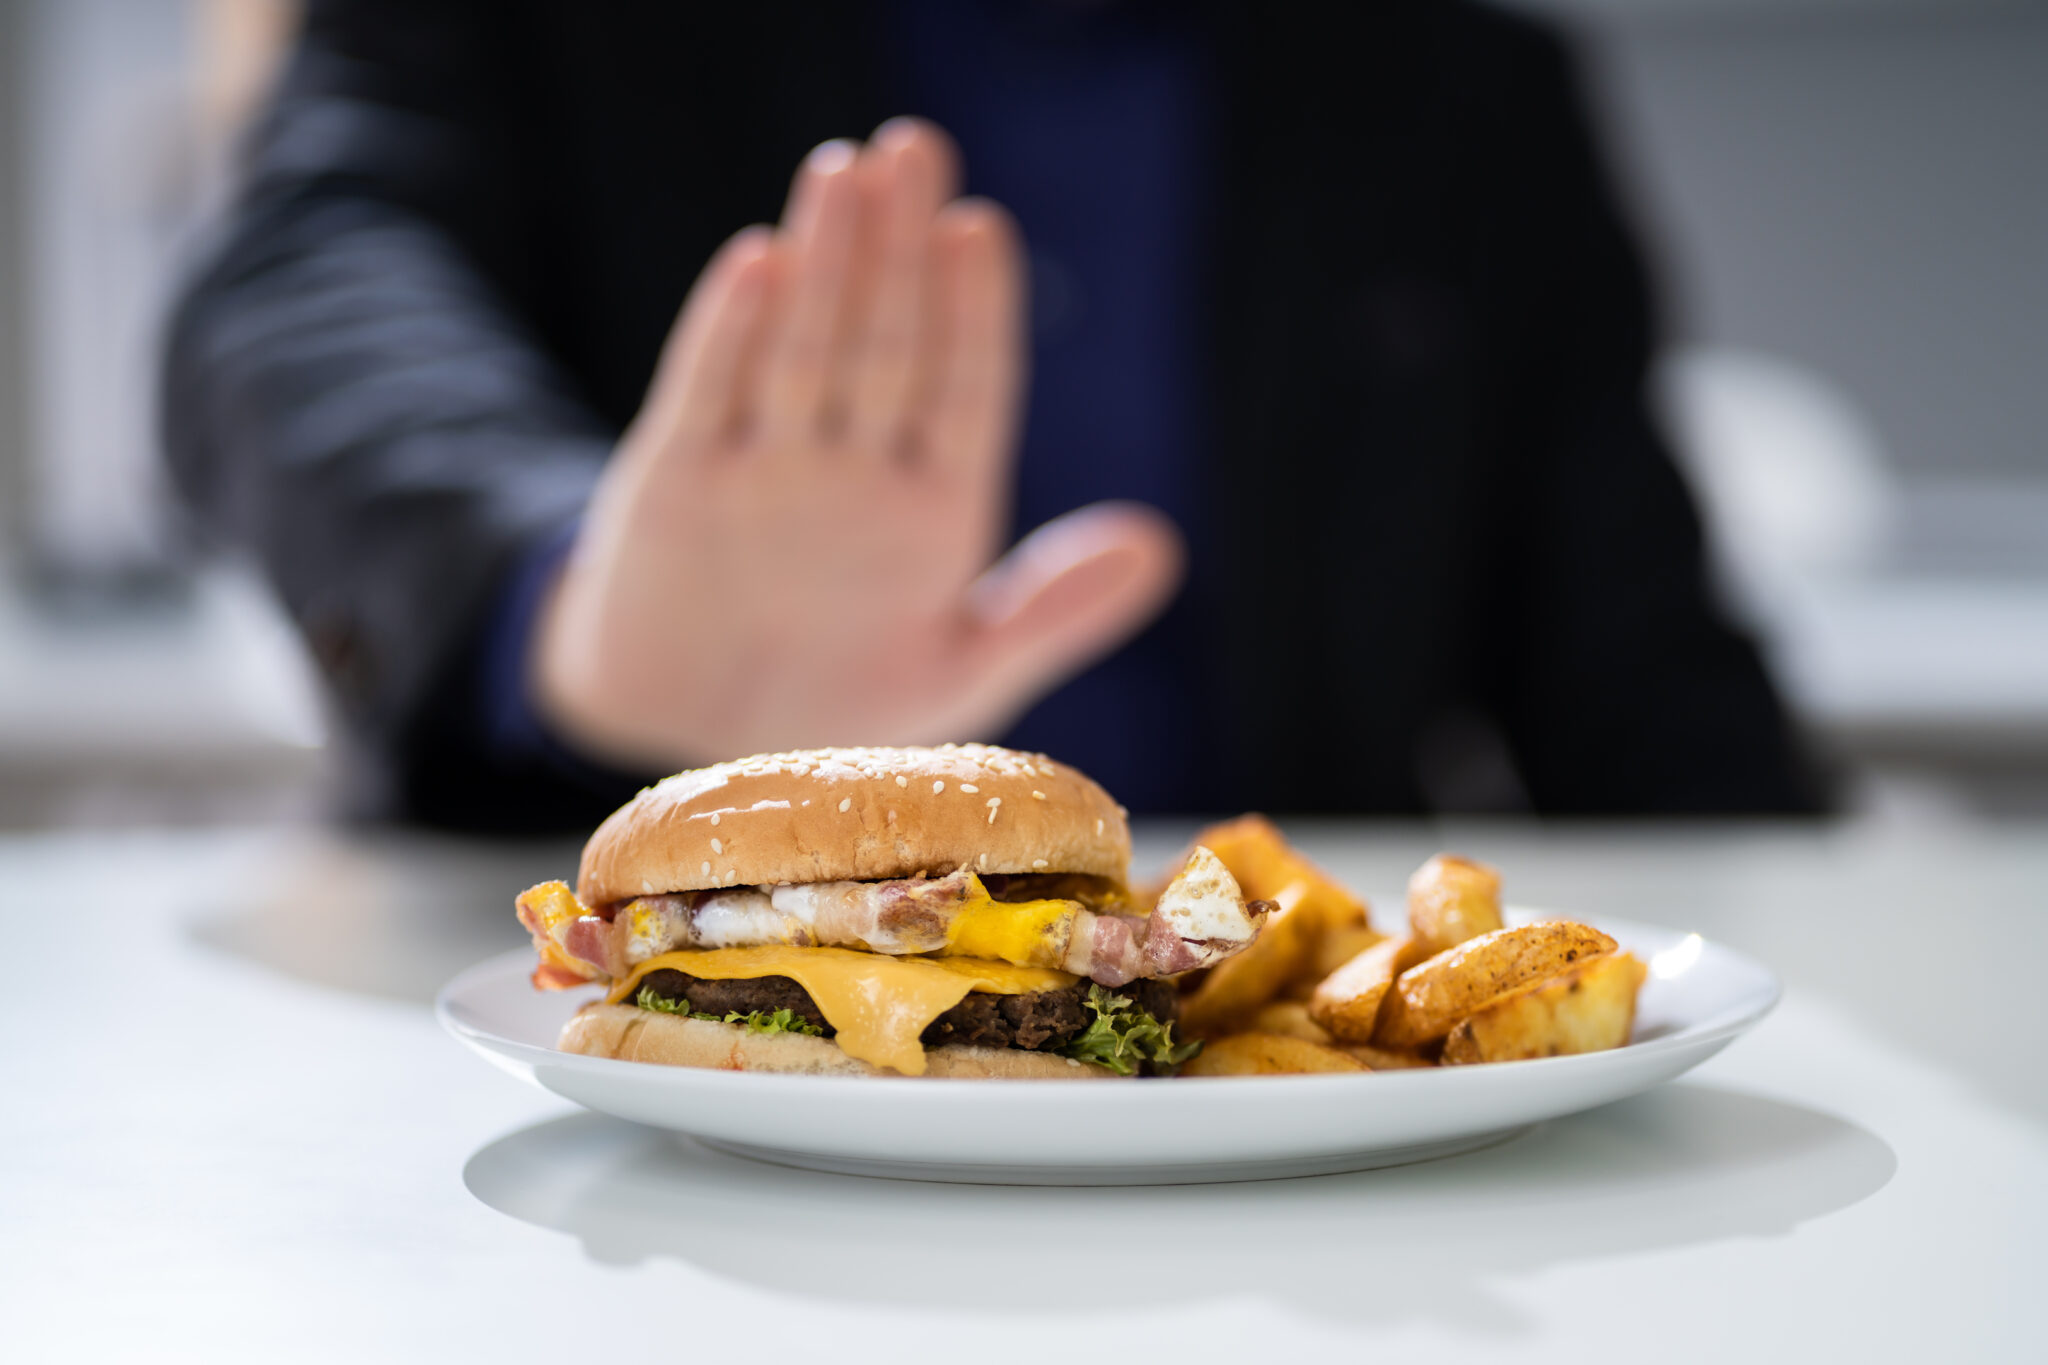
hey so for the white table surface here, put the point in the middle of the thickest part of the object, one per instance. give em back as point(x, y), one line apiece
point(232, 1131)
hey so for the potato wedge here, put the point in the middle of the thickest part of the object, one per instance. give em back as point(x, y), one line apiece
point(1336, 947)
point(1451, 900)
point(1289, 956)
point(1256, 853)
point(1588, 1009)
point(1289, 1018)
point(1267, 1054)
point(1428, 999)
point(1347, 1002)
point(1384, 1059)
point(1330, 905)
point(1235, 987)
point(1265, 865)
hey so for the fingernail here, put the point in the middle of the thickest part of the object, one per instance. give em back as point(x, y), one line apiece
point(828, 157)
point(902, 126)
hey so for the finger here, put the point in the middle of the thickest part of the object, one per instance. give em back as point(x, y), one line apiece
point(699, 379)
point(816, 242)
point(932, 142)
point(1069, 592)
point(913, 174)
point(973, 347)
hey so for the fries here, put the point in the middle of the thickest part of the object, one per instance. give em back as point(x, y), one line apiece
point(1452, 899)
point(1321, 990)
point(1348, 1001)
point(1289, 1018)
point(1386, 1059)
point(1267, 866)
point(1238, 985)
point(1268, 1054)
point(1586, 1010)
point(1426, 1001)
point(1285, 954)
point(1337, 947)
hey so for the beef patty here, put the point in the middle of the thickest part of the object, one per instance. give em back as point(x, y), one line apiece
point(1039, 1022)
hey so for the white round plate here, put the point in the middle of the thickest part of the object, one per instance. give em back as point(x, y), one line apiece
point(1699, 996)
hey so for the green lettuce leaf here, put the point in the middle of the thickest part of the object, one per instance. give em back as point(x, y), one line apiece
point(1122, 1037)
point(661, 1004)
point(781, 1021)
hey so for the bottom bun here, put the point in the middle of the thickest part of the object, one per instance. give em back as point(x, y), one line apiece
point(631, 1034)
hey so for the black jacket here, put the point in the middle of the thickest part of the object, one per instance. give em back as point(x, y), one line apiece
point(464, 233)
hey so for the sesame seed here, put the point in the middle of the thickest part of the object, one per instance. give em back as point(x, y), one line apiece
point(646, 887)
point(982, 860)
point(714, 817)
point(969, 788)
point(902, 781)
point(1038, 796)
point(995, 800)
point(704, 869)
point(991, 814)
point(1038, 862)
point(845, 803)
point(938, 786)
point(718, 846)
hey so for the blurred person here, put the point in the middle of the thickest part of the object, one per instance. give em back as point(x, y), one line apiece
point(1332, 470)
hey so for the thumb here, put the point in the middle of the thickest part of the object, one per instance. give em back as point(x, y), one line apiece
point(1069, 593)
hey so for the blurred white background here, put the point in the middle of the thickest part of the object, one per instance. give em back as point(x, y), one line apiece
point(1847, 200)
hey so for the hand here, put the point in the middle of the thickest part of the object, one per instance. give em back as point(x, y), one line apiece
point(793, 543)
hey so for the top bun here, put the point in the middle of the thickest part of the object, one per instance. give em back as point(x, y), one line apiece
point(821, 815)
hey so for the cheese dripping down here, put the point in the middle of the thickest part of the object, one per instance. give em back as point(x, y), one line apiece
point(878, 1005)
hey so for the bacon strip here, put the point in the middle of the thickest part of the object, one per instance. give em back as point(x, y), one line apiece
point(1200, 919)
point(575, 945)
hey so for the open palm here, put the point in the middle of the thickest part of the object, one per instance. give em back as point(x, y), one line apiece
point(796, 541)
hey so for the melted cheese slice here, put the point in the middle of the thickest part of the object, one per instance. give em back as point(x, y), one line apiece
point(1028, 933)
point(878, 1004)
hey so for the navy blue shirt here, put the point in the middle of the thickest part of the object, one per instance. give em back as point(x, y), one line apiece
point(1085, 121)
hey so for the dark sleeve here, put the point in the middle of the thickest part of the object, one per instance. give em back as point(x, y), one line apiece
point(1621, 685)
point(355, 390)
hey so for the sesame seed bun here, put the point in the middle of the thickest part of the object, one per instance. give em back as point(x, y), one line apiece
point(820, 815)
point(637, 1035)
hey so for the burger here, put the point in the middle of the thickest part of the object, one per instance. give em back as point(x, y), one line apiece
point(963, 911)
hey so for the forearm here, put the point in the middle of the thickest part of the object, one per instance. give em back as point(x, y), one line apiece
point(354, 388)
point(346, 400)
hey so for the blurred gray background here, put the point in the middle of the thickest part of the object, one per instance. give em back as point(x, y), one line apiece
point(1847, 200)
